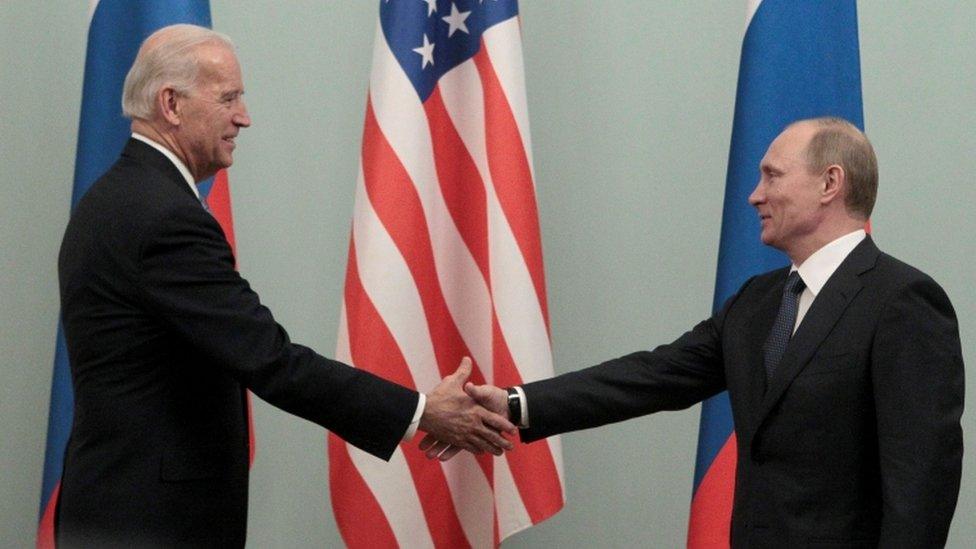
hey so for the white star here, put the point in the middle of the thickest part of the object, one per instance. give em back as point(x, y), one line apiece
point(426, 53)
point(431, 6)
point(456, 20)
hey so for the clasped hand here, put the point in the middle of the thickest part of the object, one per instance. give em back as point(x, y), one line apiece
point(462, 416)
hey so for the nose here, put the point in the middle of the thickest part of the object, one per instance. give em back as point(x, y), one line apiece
point(242, 119)
point(757, 197)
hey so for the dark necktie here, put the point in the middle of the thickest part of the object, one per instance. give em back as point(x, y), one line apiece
point(782, 330)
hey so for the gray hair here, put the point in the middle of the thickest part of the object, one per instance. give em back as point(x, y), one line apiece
point(166, 58)
point(837, 141)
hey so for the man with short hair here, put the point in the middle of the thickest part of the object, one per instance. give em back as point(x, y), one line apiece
point(844, 370)
point(164, 336)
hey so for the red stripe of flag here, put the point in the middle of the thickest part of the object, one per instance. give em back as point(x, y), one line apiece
point(355, 504)
point(395, 200)
point(460, 183)
point(373, 348)
point(219, 202)
point(711, 506)
point(532, 465)
point(45, 530)
point(511, 176)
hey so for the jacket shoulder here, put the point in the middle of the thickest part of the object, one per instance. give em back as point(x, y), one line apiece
point(897, 271)
point(119, 212)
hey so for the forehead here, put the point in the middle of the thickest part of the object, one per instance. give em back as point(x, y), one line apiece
point(218, 64)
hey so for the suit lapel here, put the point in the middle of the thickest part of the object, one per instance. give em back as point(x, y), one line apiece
point(758, 327)
point(824, 313)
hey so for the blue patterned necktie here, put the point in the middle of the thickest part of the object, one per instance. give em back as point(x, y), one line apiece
point(782, 330)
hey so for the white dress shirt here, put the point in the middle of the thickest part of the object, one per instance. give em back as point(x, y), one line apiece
point(185, 172)
point(819, 267)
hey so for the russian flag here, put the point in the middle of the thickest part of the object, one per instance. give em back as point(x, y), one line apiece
point(116, 30)
point(799, 60)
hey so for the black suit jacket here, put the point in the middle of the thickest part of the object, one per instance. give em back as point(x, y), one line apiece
point(163, 337)
point(856, 440)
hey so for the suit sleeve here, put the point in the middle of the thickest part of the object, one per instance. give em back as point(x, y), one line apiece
point(671, 377)
point(917, 372)
point(187, 276)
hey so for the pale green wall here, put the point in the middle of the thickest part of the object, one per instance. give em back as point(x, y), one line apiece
point(631, 108)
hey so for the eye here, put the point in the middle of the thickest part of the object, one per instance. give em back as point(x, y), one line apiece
point(231, 98)
point(771, 174)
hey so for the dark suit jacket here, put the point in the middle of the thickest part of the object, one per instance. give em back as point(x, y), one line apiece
point(856, 441)
point(163, 337)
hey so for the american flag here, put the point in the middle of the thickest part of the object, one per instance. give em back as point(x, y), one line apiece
point(445, 261)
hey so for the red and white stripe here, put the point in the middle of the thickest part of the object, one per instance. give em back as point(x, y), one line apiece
point(445, 261)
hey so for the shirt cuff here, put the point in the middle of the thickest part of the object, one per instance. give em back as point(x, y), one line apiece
point(524, 424)
point(415, 422)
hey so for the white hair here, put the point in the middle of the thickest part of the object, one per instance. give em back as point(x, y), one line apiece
point(166, 58)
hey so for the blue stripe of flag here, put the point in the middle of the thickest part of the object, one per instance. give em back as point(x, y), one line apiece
point(117, 29)
point(799, 60)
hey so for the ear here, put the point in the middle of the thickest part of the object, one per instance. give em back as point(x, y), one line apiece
point(834, 181)
point(169, 105)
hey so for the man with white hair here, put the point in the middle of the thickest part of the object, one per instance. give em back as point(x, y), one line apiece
point(164, 336)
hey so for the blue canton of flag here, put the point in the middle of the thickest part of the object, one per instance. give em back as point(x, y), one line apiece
point(431, 37)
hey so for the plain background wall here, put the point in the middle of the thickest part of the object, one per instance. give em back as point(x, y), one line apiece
point(631, 109)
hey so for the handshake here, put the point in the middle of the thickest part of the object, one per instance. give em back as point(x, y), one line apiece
point(462, 416)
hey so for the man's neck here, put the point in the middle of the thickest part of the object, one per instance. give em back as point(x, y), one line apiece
point(822, 238)
point(177, 163)
point(164, 139)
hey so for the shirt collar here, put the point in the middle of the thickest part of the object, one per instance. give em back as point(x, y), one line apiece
point(819, 267)
point(172, 158)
